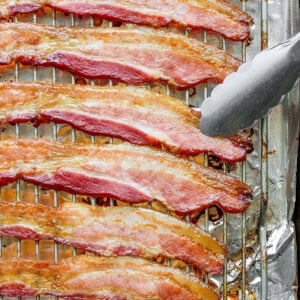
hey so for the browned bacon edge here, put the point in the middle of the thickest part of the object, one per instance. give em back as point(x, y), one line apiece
point(219, 16)
point(112, 231)
point(84, 277)
point(135, 115)
point(125, 172)
point(135, 56)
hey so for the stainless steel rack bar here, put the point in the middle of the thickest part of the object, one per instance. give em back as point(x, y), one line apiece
point(264, 170)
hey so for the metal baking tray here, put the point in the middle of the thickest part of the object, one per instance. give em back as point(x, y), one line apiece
point(262, 254)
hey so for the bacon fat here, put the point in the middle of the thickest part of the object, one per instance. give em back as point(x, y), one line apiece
point(111, 231)
point(132, 56)
point(136, 115)
point(216, 15)
point(129, 173)
point(85, 277)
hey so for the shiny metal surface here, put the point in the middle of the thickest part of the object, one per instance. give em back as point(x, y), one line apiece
point(264, 144)
point(249, 94)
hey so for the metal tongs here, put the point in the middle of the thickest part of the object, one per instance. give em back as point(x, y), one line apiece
point(250, 93)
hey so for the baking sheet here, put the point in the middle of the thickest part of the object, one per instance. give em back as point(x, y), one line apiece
point(283, 22)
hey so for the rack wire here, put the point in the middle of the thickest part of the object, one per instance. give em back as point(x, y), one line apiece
point(244, 278)
point(264, 172)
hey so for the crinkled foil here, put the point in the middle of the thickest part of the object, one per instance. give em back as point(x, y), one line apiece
point(283, 22)
point(283, 148)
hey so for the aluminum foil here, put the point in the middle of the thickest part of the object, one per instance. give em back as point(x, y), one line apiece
point(283, 22)
point(242, 279)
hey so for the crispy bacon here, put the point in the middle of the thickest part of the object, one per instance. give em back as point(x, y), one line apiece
point(132, 55)
point(86, 277)
point(134, 115)
point(216, 15)
point(129, 173)
point(111, 231)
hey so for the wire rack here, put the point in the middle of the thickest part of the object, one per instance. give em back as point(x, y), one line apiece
point(71, 20)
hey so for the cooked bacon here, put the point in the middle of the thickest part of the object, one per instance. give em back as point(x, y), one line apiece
point(134, 115)
point(86, 277)
point(129, 173)
point(216, 15)
point(132, 55)
point(111, 231)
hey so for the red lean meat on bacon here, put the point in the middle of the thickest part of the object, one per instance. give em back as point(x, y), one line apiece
point(129, 173)
point(84, 277)
point(112, 231)
point(135, 115)
point(216, 15)
point(133, 56)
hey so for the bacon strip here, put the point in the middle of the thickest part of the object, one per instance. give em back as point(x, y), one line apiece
point(133, 56)
point(111, 231)
point(85, 277)
point(216, 15)
point(129, 173)
point(135, 115)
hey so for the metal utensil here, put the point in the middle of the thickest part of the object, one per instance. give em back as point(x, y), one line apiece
point(250, 93)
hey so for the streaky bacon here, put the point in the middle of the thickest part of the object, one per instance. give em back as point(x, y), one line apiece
point(136, 115)
point(133, 56)
point(87, 277)
point(133, 174)
point(216, 15)
point(112, 231)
